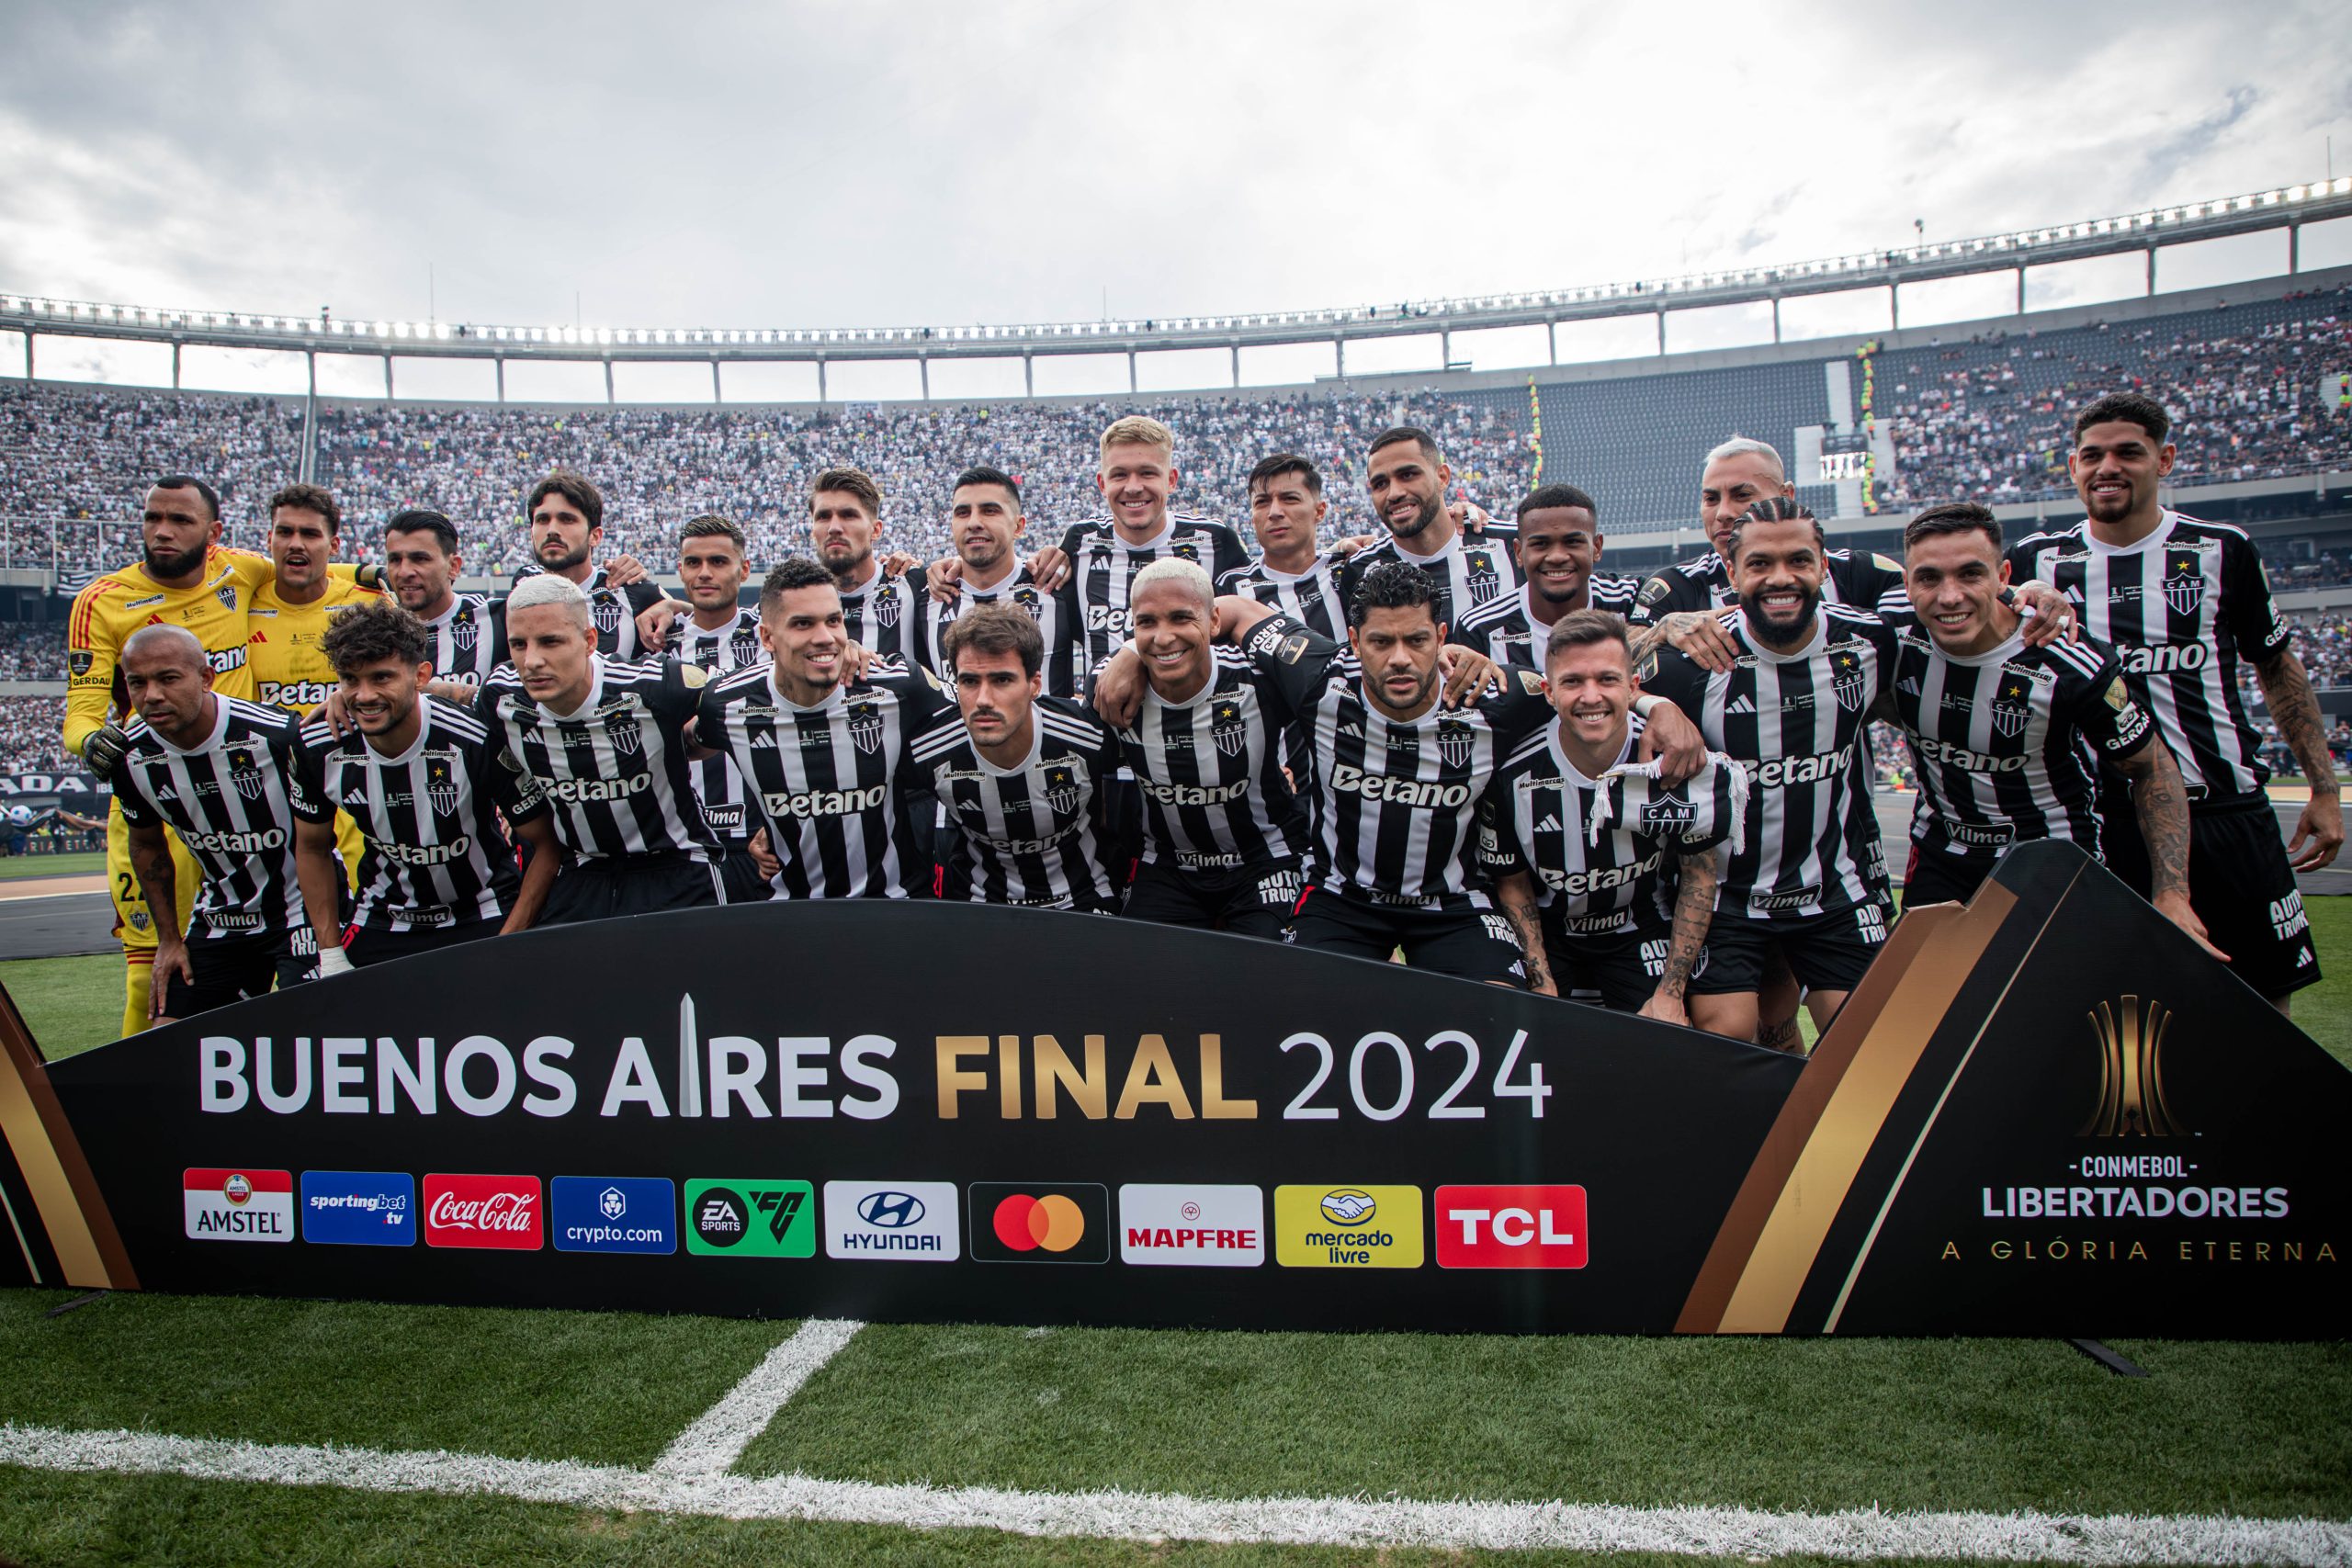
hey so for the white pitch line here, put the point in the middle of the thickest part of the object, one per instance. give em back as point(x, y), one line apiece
point(719, 1437)
point(1133, 1516)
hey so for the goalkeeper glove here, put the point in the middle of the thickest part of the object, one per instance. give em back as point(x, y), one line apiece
point(103, 747)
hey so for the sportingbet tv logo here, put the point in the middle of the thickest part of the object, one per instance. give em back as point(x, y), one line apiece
point(2130, 1037)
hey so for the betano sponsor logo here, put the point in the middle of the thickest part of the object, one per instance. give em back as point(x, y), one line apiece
point(892, 1221)
point(244, 1204)
point(1517, 1226)
point(1348, 1227)
point(1191, 1225)
point(359, 1208)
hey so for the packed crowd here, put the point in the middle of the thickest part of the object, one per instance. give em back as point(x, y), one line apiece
point(659, 466)
point(1989, 425)
point(32, 652)
point(32, 735)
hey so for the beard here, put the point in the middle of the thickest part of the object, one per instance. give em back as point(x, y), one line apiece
point(1419, 523)
point(844, 561)
point(163, 567)
point(1779, 634)
point(563, 563)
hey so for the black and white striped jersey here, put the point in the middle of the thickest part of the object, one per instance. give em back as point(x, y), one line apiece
point(468, 639)
point(1209, 771)
point(2006, 741)
point(1102, 565)
point(1032, 834)
point(616, 770)
point(613, 613)
point(1310, 597)
point(880, 616)
point(435, 855)
point(1050, 611)
point(735, 645)
point(1604, 853)
point(1393, 804)
point(1471, 571)
point(1863, 579)
point(231, 801)
point(2182, 608)
point(831, 783)
point(1795, 722)
point(1508, 631)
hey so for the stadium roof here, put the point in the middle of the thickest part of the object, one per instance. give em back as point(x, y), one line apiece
point(2289, 206)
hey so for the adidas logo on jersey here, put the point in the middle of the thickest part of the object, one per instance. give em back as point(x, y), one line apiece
point(763, 741)
point(1909, 683)
point(1550, 824)
point(1740, 705)
point(1349, 726)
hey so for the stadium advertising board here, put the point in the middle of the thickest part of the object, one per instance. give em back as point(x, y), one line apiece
point(67, 788)
point(2043, 1113)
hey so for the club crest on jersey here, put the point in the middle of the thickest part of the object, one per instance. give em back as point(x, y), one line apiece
point(865, 727)
point(608, 616)
point(1455, 742)
point(885, 608)
point(463, 632)
point(1483, 581)
point(1030, 600)
point(1188, 550)
point(243, 775)
point(227, 594)
point(2184, 582)
point(441, 789)
point(1847, 678)
point(1227, 727)
point(1670, 810)
point(624, 737)
point(2013, 706)
point(1061, 790)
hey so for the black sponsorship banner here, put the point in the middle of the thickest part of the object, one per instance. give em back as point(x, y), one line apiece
point(2041, 1114)
point(67, 788)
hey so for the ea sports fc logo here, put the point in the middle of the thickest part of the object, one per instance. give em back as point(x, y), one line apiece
point(1060, 1221)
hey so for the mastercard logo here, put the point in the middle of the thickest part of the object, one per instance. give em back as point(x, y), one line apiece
point(1053, 1222)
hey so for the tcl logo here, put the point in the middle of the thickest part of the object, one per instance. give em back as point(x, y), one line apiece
point(1510, 1227)
point(482, 1210)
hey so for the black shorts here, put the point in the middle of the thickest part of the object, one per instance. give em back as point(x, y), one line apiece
point(365, 945)
point(235, 967)
point(1476, 944)
point(740, 881)
point(1827, 952)
point(1248, 901)
point(601, 887)
point(1122, 829)
point(1617, 970)
point(2241, 886)
point(1936, 876)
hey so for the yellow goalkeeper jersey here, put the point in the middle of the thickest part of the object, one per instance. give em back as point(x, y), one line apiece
point(283, 645)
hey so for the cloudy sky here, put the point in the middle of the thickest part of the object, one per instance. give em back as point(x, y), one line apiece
point(830, 164)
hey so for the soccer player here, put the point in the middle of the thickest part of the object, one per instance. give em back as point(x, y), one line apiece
point(1406, 475)
point(984, 518)
point(2006, 738)
point(2184, 603)
point(567, 524)
point(1291, 572)
point(716, 635)
point(469, 631)
point(289, 615)
point(605, 741)
point(217, 769)
point(186, 578)
point(1609, 875)
point(1808, 879)
point(1019, 773)
point(1682, 600)
point(1224, 834)
point(1559, 545)
point(416, 773)
point(825, 750)
point(1135, 477)
point(878, 608)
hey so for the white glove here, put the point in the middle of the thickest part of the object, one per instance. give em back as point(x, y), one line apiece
point(335, 961)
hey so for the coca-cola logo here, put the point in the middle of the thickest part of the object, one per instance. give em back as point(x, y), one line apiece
point(482, 1210)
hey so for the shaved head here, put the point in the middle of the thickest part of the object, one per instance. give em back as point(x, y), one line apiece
point(155, 647)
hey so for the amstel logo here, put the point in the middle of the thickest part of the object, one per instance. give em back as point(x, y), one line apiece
point(2130, 1040)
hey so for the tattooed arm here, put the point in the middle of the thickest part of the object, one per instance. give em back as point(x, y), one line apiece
point(2287, 691)
point(2161, 803)
point(1516, 894)
point(151, 857)
point(1694, 910)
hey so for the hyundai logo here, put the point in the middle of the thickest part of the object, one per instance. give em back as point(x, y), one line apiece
point(890, 1211)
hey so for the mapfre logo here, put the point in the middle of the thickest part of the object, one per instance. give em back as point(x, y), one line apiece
point(501, 1212)
point(1194, 1226)
point(1510, 1227)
